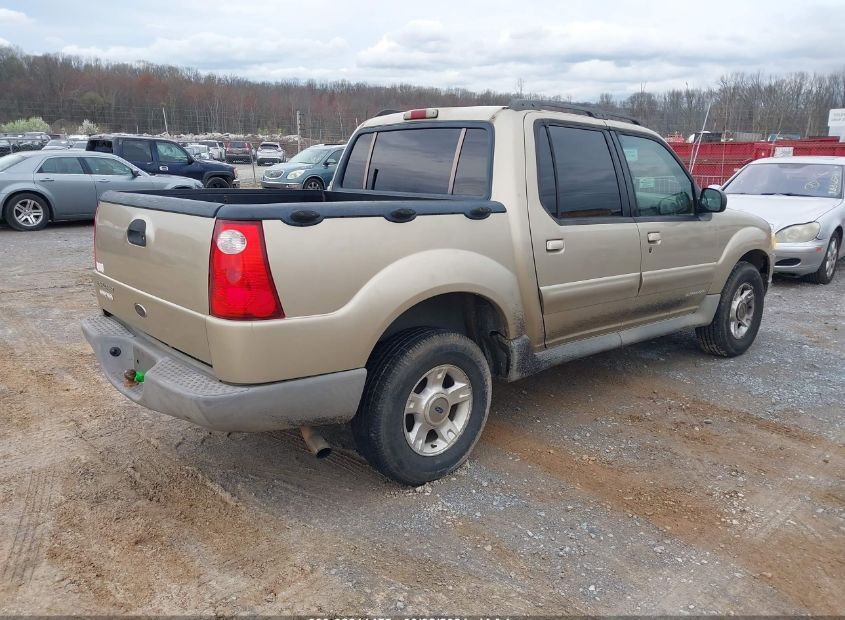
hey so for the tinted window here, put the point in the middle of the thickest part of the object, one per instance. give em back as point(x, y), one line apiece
point(171, 153)
point(61, 165)
point(660, 183)
point(103, 165)
point(471, 174)
point(336, 155)
point(353, 176)
point(413, 160)
point(585, 176)
point(546, 173)
point(137, 150)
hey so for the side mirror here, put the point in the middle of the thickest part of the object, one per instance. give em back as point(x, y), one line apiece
point(330, 162)
point(135, 173)
point(712, 200)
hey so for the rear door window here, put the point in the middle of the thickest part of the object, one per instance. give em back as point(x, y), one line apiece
point(61, 165)
point(137, 150)
point(577, 163)
point(431, 160)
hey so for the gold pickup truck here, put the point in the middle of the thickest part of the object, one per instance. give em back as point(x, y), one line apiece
point(454, 246)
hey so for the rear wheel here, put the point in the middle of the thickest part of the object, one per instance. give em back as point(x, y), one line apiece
point(738, 315)
point(827, 269)
point(313, 183)
point(217, 183)
point(27, 212)
point(424, 405)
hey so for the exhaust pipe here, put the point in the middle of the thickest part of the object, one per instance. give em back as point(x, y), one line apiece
point(316, 443)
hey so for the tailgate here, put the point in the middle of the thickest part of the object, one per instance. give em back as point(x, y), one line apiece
point(157, 280)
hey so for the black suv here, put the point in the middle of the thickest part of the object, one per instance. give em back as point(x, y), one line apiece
point(160, 156)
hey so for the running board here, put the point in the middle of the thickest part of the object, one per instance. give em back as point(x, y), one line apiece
point(523, 361)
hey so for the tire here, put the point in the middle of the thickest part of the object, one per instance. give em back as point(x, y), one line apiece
point(314, 184)
point(736, 322)
point(827, 269)
point(26, 212)
point(427, 365)
point(217, 183)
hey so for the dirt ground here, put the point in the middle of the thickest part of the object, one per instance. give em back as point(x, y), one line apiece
point(650, 480)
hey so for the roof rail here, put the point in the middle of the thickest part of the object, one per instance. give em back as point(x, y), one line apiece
point(558, 106)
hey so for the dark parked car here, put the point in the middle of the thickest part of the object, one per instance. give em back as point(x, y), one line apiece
point(160, 156)
point(239, 150)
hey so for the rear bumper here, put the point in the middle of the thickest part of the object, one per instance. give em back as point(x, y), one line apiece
point(184, 388)
point(799, 258)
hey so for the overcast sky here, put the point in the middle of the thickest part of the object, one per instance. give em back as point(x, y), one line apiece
point(576, 49)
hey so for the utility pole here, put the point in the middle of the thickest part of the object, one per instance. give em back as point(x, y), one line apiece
point(298, 131)
point(164, 114)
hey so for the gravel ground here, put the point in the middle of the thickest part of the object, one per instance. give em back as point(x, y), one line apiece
point(649, 480)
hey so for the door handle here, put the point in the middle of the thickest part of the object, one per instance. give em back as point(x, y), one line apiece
point(163, 168)
point(554, 245)
point(654, 238)
point(103, 181)
point(46, 179)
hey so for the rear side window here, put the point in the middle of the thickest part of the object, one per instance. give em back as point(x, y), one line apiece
point(431, 160)
point(471, 174)
point(577, 163)
point(137, 150)
point(61, 165)
point(356, 165)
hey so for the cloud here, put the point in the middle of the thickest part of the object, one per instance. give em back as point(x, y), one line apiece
point(603, 46)
point(12, 18)
point(4, 42)
point(215, 51)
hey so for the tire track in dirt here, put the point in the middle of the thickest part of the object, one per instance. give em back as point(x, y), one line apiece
point(32, 528)
point(673, 500)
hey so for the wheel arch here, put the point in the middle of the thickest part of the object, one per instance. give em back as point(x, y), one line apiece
point(761, 260)
point(315, 177)
point(8, 201)
point(474, 315)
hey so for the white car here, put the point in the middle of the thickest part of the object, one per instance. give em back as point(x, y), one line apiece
point(801, 198)
point(215, 149)
point(270, 153)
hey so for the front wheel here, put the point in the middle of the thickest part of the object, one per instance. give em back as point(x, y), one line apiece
point(424, 405)
point(217, 183)
point(313, 183)
point(27, 212)
point(738, 315)
point(824, 275)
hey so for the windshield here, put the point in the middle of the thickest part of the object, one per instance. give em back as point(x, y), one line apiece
point(789, 179)
point(309, 156)
point(57, 143)
point(10, 160)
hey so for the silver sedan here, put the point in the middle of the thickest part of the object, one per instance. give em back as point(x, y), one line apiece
point(802, 199)
point(41, 186)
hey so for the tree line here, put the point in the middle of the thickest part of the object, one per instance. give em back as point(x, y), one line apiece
point(148, 98)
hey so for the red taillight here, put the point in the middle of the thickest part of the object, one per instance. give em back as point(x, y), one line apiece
point(240, 285)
